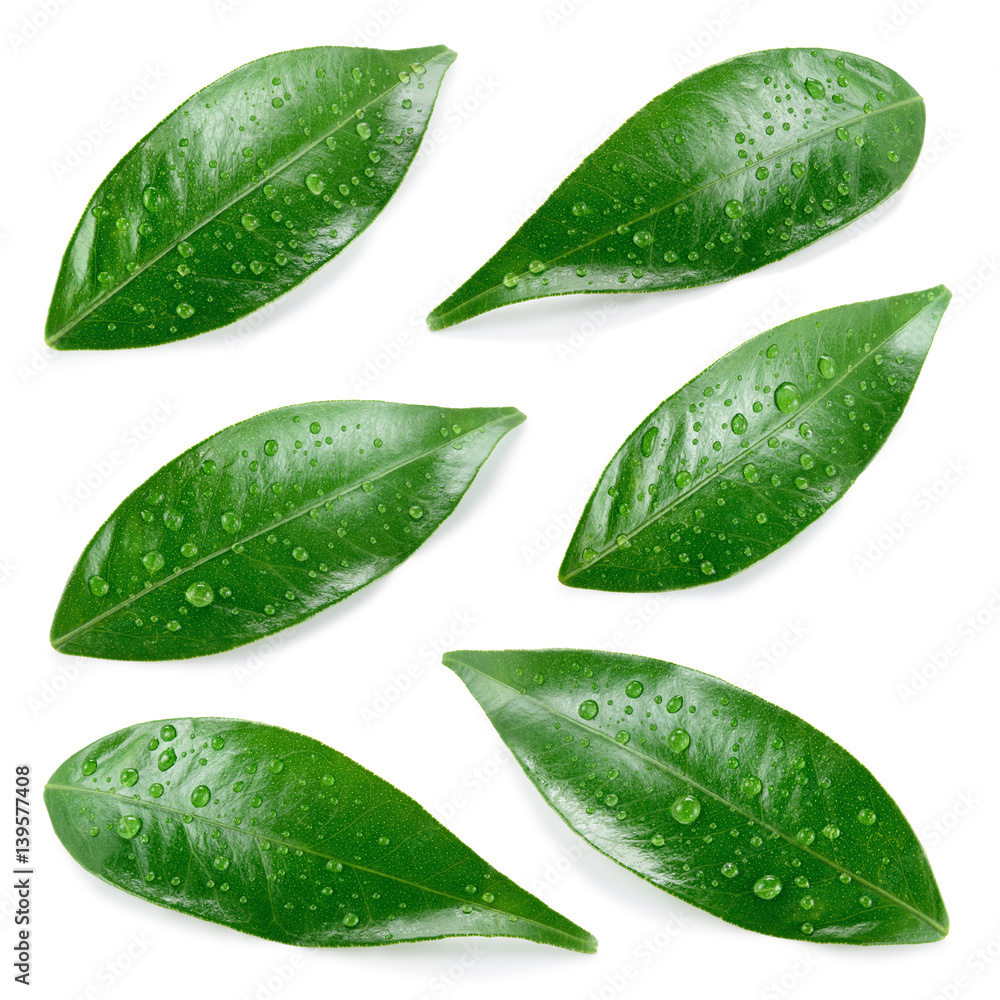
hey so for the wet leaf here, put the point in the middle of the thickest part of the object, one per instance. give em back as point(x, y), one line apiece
point(275, 834)
point(241, 193)
point(711, 793)
point(268, 522)
point(759, 445)
point(737, 166)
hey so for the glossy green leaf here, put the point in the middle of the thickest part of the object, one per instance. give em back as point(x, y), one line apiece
point(737, 166)
point(711, 793)
point(267, 522)
point(241, 193)
point(759, 445)
point(279, 835)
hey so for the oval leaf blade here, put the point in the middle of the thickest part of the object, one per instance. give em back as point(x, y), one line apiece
point(278, 835)
point(268, 522)
point(711, 793)
point(741, 459)
point(737, 166)
point(241, 193)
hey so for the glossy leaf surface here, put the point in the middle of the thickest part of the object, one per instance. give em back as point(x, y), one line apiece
point(737, 166)
point(711, 793)
point(759, 445)
point(267, 522)
point(278, 835)
point(241, 193)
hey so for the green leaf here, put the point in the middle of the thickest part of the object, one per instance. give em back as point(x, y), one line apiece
point(711, 793)
point(759, 445)
point(279, 835)
point(267, 522)
point(737, 166)
point(241, 193)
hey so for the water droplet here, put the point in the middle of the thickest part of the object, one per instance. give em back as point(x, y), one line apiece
point(807, 902)
point(97, 586)
point(750, 473)
point(315, 183)
point(739, 424)
point(201, 796)
point(648, 441)
point(707, 568)
point(767, 887)
point(827, 367)
point(185, 310)
point(200, 594)
point(231, 522)
point(622, 737)
point(830, 831)
point(657, 840)
point(679, 739)
point(682, 479)
point(129, 826)
point(350, 920)
point(798, 170)
point(805, 836)
point(364, 130)
point(634, 689)
point(866, 817)
point(642, 238)
point(762, 173)
point(510, 280)
point(250, 222)
point(865, 901)
point(89, 766)
point(675, 704)
point(734, 209)
point(276, 767)
point(685, 809)
point(129, 777)
point(156, 789)
point(730, 870)
point(787, 397)
point(751, 786)
point(816, 89)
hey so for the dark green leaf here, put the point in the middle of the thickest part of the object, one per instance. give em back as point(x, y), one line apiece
point(759, 445)
point(711, 793)
point(737, 166)
point(278, 835)
point(267, 522)
point(241, 193)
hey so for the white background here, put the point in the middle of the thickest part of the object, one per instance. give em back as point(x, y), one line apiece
point(848, 614)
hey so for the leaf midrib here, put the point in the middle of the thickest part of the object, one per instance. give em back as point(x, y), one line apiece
point(254, 835)
point(716, 472)
point(790, 840)
point(265, 178)
point(301, 512)
point(687, 194)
